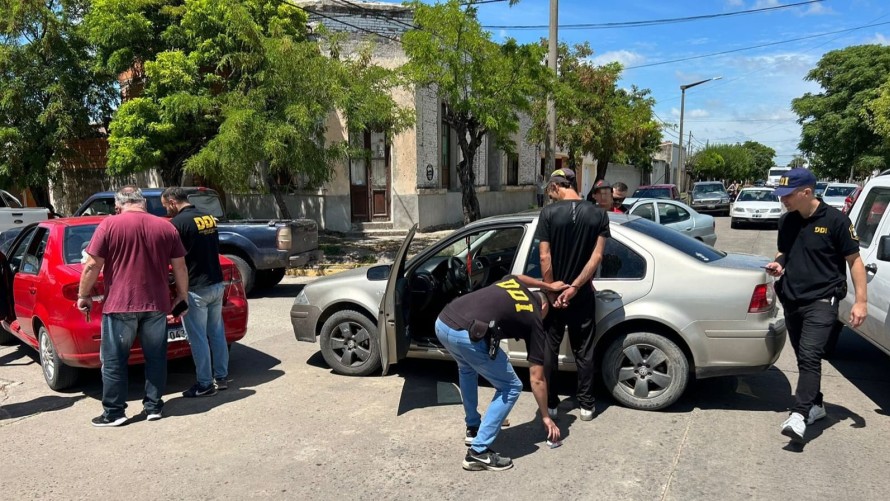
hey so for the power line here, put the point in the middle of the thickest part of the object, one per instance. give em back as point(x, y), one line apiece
point(755, 46)
point(652, 22)
point(325, 16)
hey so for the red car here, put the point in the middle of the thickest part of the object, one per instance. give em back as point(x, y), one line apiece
point(46, 262)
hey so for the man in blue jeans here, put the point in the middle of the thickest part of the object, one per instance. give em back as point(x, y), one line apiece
point(133, 250)
point(467, 327)
point(204, 323)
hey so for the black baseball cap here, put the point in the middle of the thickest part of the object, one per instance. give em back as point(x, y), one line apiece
point(794, 179)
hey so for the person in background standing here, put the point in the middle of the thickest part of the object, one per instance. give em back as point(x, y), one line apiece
point(619, 194)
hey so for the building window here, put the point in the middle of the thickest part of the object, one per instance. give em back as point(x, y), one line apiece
point(512, 169)
point(445, 151)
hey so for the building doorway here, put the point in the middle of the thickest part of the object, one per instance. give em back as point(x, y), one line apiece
point(369, 174)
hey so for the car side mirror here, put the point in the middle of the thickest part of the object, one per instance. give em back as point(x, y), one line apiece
point(884, 248)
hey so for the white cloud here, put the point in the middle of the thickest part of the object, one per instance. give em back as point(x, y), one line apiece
point(780, 64)
point(879, 39)
point(735, 3)
point(698, 41)
point(762, 4)
point(625, 57)
point(694, 113)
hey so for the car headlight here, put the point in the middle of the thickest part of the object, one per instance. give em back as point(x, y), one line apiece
point(302, 298)
point(738, 209)
point(724, 200)
point(775, 211)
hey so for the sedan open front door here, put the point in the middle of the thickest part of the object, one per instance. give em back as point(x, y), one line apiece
point(391, 325)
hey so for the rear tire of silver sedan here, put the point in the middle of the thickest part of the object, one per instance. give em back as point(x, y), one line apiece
point(645, 371)
point(349, 344)
point(58, 376)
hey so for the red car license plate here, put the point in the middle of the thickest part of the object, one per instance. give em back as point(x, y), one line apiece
point(176, 334)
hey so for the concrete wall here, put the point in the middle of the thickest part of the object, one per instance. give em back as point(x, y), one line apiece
point(331, 212)
point(74, 186)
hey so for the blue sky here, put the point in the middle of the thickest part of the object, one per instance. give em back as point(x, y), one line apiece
point(753, 99)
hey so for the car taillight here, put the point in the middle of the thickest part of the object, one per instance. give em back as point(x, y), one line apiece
point(70, 291)
point(234, 286)
point(761, 299)
point(284, 238)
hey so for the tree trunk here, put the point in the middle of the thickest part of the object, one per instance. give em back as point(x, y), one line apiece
point(602, 164)
point(469, 200)
point(283, 211)
point(41, 196)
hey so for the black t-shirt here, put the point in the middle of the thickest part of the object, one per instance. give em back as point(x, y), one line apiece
point(515, 309)
point(815, 252)
point(200, 238)
point(572, 228)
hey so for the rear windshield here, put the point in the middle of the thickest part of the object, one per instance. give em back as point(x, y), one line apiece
point(207, 203)
point(76, 240)
point(838, 191)
point(652, 193)
point(687, 245)
point(757, 196)
point(708, 188)
point(777, 172)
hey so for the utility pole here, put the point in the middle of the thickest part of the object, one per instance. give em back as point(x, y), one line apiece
point(682, 181)
point(553, 46)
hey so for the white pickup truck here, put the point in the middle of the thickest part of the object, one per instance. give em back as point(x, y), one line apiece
point(13, 215)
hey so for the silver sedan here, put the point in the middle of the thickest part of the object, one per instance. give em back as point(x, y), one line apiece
point(677, 216)
point(668, 306)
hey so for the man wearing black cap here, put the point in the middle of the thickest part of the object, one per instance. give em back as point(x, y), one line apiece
point(601, 195)
point(572, 233)
point(816, 242)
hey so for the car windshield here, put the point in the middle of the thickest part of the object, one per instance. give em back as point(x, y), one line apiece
point(652, 193)
point(757, 196)
point(687, 245)
point(838, 191)
point(777, 172)
point(207, 202)
point(76, 240)
point(708, 188)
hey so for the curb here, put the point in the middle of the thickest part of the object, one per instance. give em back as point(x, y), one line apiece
point(323, 270)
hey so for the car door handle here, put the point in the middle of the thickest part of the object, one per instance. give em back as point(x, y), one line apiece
point(871, 268)
point(607, 295)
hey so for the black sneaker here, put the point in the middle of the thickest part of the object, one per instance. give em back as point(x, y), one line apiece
point(200, 391)
point(103, 421)
point(488, 460)
point(471, 434)
point(222, 383)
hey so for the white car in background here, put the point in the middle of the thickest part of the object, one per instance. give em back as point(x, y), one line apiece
point(835, 194)
point(756, 205)
point(677, 216)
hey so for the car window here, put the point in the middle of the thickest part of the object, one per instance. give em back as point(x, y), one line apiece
point(620, 263)
point(15, 258)
point(10, 201)
point(644, 210)
point(873, 209)
point(76, 240)
point(652, 193)
point(207, 203)
point(757, 196)
point(687, 245)
point(33, 256)
point(838, 191)
point(100, 207)
point(498, 246)
point(708, 188)
point(670, 213)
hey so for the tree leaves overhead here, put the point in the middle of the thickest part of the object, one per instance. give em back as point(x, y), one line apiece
point(49, 93)
point(234, 88)
point(836, 128)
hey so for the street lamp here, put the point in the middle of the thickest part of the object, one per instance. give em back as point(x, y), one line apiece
point(682, 109)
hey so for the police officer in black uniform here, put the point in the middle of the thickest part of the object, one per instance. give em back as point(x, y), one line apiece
point(816, 243)
point(470, 328)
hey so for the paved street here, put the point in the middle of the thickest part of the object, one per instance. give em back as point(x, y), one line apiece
point(288, 428)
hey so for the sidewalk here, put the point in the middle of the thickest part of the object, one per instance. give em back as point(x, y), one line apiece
point(343, 251)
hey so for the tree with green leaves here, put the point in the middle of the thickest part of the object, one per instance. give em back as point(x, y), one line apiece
point(797, 161)
point(234, 89)
point(724, 161)
point(484, 85)
point(764, 158)
point(49, 93)
point(841, 143)
point(594, 116)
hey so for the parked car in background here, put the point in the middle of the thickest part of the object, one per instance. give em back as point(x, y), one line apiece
point(871, 220)
point(668, 306)
point(261, 249)
point(46, 261)
point(677, 216)
point(710, 196)
point(836, 193)
point(665, 191)
point(775, 173)
point(851, 199)
point(14, 215)
point(820, 187)
point(6, 239)
point(756, 205)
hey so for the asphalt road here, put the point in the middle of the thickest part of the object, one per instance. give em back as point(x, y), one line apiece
point(290, 429)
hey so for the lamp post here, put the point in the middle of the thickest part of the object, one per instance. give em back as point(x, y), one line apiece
point(682, 168)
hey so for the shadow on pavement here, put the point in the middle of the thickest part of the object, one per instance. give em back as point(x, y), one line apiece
point(516, 441)
point(21, 354)
point(863, 365)
point(767, 391)
point(42, 404)
point(836, 414)
point(280, 290)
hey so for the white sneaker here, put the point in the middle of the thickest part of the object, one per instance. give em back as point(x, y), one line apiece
point(794, 427)
point(817, 412)
point(552, 412)
point(587, 414)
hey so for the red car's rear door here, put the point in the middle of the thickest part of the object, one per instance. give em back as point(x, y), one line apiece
point(29, 258)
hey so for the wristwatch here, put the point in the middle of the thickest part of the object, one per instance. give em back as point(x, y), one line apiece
point(84, 297)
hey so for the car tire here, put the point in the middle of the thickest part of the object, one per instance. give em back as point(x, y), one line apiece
point(627, 371)
point(248, 274)
point(58, 376)
point(833, 337)
point(733, 224)
point(349, 344)
point(266, 279)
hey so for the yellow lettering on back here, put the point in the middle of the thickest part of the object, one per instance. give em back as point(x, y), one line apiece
point(209, 221)
point(822, 230)
point(509, 284)
point(199, 222)
point(524, 307)
point(518, 295)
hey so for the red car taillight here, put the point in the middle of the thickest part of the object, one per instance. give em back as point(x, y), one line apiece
point(232, 279)
point(761, 299)
point(70, 291)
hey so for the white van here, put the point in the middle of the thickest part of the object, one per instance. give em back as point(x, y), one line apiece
point(772, 179)
point(871, 218)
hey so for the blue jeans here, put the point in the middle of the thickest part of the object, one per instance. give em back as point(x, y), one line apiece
point(119, 330)
point(204, 327)
point(472, 361)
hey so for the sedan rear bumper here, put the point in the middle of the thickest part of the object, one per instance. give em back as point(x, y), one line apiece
point(743, 354)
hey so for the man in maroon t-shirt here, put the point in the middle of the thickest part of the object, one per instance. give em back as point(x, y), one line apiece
point(134, 250)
